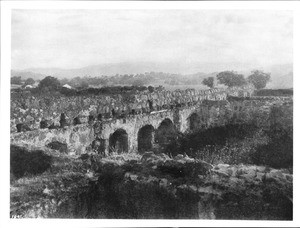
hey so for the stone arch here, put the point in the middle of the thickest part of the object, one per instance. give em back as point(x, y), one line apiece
point(146, 138)
point(194, 121)
point(99, 117)
point(91, 118)
point(165, 133)
point(76, 121)
point(63, 121)
point(118, 141)
point(44, 124)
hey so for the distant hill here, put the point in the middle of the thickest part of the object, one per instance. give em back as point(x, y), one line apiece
point(28, 74)
point(186, 68)
point(281, 75)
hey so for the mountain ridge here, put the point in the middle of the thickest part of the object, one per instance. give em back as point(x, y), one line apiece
point(281, 74)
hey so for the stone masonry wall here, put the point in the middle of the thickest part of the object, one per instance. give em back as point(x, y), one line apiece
point(31, 110)
point(78, 138)
point(209, 113)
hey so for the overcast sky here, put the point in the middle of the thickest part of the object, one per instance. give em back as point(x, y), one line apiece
point(78, 38)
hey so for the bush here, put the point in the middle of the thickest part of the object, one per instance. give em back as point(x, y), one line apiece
point(192, 143)
point(24, 162)
point(235, 144)
point(278, 153)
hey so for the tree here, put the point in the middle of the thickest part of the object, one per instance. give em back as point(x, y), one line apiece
point(29, 81)
point(16, 80)
point(259, 79)
point(231, 78)
point(49, 83)
point(208, 82)
point(151, 89)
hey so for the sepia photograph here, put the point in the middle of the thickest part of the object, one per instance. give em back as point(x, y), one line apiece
point(150, 113)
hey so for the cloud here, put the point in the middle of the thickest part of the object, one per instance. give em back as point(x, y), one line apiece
point(77, 38)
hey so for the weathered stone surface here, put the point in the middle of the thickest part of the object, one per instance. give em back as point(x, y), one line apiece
point(78, 138)
point(206, 113)
point(61, 147)
point(26, 108)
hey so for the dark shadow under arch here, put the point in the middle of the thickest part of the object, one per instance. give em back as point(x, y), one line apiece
point(146, 138)
point(165, 133)
point(76, 121)
point(194, 122)
point(118, 141)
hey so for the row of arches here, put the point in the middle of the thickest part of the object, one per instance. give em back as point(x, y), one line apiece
point(194, 122)
point(147, 137)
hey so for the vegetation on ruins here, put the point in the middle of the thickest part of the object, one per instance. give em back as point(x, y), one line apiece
point(208, 82)
point(151, 186)
point(231, 78)
point(239, 143)
point(259, 79)
point(240, 170)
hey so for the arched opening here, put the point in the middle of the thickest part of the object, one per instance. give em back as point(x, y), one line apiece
point(99, 117)
point(44, 124)
point(76, 121)
point(195, 122)
point(63, 121)
point(165, 133)
point(19, 127)
point(146, 138)
point(91, 119)
point(118, 141)
point(22, 127)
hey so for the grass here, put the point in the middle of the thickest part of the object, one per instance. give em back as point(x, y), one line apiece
point(130, 186)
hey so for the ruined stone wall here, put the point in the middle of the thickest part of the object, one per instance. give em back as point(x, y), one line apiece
point(208, 114)
point(78, 138)
point(132, 125)
point(30, 110)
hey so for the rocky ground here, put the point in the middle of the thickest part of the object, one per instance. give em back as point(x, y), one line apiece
point(150, 186)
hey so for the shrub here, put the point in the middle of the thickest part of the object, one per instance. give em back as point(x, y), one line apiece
point(278, 153)
point(192, 143)
point(23, 162)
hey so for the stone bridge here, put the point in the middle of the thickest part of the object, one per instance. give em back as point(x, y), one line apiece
point(142, 132)
point(31, 112)
point(150, 130)
point(139, 132)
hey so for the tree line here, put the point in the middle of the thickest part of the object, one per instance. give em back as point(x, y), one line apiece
point(258, 78)
point(133, 83)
